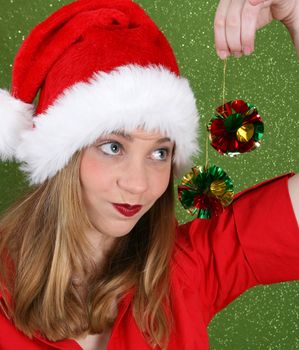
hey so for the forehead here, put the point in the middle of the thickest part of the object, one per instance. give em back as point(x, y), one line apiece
point(142, 134)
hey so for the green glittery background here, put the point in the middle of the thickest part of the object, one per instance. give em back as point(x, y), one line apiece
point(264, 317)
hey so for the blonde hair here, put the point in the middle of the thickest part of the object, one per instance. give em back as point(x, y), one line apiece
point(43, 249)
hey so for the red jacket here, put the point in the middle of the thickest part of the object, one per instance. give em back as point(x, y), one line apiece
point(255, 241)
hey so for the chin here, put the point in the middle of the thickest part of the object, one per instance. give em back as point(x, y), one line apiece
point(115, 230)
point(121, 232)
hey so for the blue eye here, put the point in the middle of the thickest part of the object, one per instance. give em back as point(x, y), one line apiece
point(161, 154)
point(111, 148)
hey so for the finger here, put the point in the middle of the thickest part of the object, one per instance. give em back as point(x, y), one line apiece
point(233, 26)
point(258, 2)
point(219, 29)
point(255, 2)
point(250, 16)
point(265, 17)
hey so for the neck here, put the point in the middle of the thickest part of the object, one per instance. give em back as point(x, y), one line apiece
point(100, 245)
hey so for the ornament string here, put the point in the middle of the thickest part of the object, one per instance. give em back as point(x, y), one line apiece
point(224, 81)
point(223, 101)
point(207, 151)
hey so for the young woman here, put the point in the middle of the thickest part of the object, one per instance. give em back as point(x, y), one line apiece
point(92, 258)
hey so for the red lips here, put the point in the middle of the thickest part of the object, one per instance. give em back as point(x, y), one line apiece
point(127, 209)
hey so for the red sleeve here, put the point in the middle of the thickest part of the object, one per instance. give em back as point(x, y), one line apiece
point(268, 231)
point(254, 241)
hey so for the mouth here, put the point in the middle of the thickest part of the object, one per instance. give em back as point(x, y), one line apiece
point(127, 209)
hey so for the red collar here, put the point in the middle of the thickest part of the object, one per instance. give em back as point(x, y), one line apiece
point(70, 344)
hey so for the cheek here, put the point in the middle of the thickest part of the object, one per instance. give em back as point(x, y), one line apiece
point(160, 183)
point(93, 174)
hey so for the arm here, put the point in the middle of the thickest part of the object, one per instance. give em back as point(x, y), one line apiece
point(236, 22)
point(254, 241)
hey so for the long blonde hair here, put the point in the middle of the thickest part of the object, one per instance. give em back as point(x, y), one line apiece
point(42, 249)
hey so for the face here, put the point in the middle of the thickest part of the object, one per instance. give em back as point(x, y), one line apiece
point(122, 176)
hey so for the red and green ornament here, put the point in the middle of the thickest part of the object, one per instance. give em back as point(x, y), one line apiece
point(206, 190)
point(237, 128)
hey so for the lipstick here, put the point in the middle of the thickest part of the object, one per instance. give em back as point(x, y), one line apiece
point(127, 209)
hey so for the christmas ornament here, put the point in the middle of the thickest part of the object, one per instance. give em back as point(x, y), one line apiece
point(237, 128)
point(206, 189)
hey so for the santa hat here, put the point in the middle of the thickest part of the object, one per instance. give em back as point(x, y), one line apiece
point(98, 66)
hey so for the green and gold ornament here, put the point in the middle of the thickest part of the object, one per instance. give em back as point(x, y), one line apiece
point(236, 129)
point(206, 190)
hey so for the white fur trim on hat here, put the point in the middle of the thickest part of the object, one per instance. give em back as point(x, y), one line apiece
point(15, 117)
point(126, 98)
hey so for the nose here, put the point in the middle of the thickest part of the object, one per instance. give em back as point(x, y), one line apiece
point(134, 178)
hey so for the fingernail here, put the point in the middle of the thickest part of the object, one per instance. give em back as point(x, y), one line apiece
point(237, 54)
point(223, 54)
point(247, 50)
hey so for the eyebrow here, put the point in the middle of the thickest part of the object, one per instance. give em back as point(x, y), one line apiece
point(130, 138)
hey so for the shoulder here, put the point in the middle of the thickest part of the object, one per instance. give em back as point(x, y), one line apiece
point(269, 184)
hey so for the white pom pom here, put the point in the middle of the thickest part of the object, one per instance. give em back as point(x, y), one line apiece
point(15, 116)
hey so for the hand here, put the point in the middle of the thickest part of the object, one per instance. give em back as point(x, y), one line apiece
point(236, 22)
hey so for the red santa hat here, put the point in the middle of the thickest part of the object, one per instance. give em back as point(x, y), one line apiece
point(98, 66)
